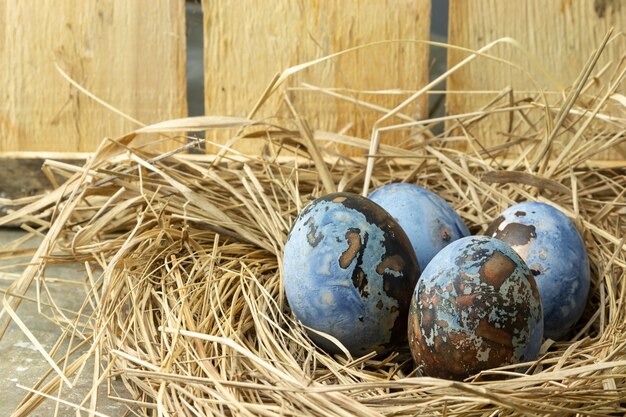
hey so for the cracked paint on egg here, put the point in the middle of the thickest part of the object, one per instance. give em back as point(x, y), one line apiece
point(555, 253)
point(349, 271)
point(428, 220)
point(476, 307)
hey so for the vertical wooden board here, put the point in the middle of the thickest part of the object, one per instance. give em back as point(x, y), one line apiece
point(247, 42)
point(561, 34)
point(129, 53)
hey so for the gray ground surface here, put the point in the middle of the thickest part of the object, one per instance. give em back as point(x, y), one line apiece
point(20, 361)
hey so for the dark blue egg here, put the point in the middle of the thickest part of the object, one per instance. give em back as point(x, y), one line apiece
point(555, 253)
point(349, 272)
point(428, 220)
point(476, 307)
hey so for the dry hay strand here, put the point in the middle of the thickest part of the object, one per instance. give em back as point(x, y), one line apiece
point(182, 297)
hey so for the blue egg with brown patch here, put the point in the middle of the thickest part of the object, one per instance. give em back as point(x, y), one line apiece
point(428, 220)
point(349, 272)
point(475, 307)
point(555, 253)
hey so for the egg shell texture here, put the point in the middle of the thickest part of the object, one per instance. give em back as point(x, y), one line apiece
point(476, 307)
point(349, 271)
point(428, 220)
point(555, 253)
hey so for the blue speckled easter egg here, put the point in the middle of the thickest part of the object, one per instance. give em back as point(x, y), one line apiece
point(428, 220)
point(555, 253)
point(349, 271)
point(475, 307)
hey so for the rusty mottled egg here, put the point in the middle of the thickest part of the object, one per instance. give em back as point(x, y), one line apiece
point(349, 272)
point(428, 220)
point(476, 307)
point(555, 252)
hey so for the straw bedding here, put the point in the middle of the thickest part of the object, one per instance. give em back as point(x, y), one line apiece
point(181, 257)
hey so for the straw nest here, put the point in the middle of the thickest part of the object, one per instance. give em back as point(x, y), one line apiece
point(181, 257)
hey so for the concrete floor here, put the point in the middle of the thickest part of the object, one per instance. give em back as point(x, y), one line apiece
point(20, 361)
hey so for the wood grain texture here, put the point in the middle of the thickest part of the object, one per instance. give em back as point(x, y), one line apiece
point(247, 42)
point(131, 54)
point(561, 34)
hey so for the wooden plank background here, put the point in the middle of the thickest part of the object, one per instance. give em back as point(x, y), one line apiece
point(247, 43)
point(129, 53)
point(132, 55)
point(561, 34)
